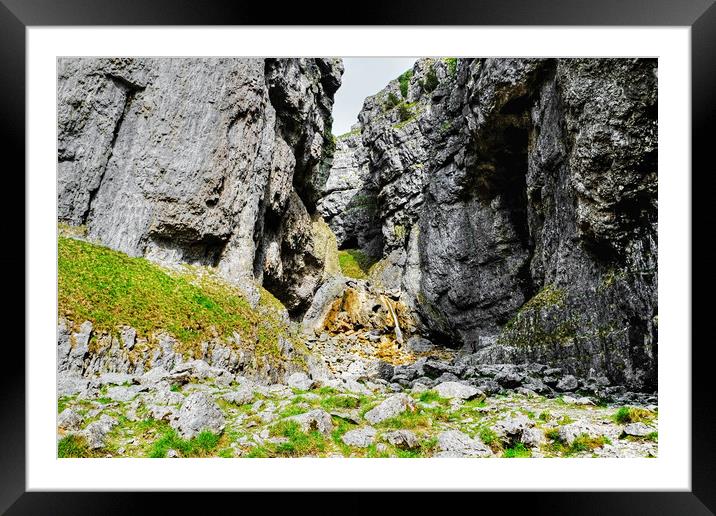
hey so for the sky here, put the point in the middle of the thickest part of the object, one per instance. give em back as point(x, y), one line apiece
point(363, 76)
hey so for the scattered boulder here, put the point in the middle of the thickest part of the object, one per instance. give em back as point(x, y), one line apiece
point(360, 437)
point(68, 419)
point(532, 437)
point(96, 432)
point(315, 420)
point(457, 390)
point(568, 433)
point(509, 379)
point(300, 381)
point(391, 407)
point(512, 427)
point(638, 429)
point(403, 439)
point(453, 443)
point(567, 383)
point(199, 413)
point(240, 396)
point(121, 393)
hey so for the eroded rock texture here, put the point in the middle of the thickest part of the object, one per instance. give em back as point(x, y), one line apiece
point(206, 161)
point(518, 209)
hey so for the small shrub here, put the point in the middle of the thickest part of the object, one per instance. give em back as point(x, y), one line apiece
point(391, 101)
point(451, 63)
point(404, 81)
point(488, 436)
point(404, 112)
point(431, 81)
point(430, 397)
point(626, 415)
point(585, 443)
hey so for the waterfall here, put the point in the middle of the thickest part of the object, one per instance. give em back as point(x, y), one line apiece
point(398, 333)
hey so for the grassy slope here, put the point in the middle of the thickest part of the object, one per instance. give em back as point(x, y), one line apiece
point(112, 289)
point(354, 263)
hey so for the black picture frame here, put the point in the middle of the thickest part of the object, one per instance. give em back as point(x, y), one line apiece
point(17, 15)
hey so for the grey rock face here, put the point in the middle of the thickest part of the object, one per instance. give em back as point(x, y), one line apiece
point(348, 200)
point(518, 209)
point(418, 344)
point(199, 413)
point(195, 161)
point(360, 437)
point(391, 407)
point(453, 443)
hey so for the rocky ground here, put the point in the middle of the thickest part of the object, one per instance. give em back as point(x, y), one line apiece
point(428, 408)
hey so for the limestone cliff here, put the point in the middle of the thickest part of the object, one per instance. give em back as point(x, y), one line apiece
point(517, 205)
point(206, 161)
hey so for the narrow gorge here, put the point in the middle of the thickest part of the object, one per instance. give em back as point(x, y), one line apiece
point(471, 271)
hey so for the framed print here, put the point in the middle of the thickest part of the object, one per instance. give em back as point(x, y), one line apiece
point(434, 249)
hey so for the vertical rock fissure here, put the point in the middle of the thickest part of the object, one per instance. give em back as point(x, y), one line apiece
point(130, 90)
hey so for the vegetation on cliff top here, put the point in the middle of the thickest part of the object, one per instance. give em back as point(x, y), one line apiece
point(112, 289)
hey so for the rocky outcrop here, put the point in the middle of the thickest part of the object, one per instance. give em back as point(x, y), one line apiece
point(517, 204)
point(162, 357)
point(348, 203)
point(206, 161)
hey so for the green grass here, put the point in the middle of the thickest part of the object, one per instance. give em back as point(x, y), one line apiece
point(112, 289)
point(488, 436)
point(355, 263)
point(626, 415)
point(73, 446)
point(200, 446)
point(431, 396)
point(62, 403)
point(293, 410)
point(341, 402)
point(299, 443)
point(518, 451)
point(584, 443)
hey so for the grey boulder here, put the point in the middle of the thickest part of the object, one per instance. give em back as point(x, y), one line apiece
point(453, 443)
point(391, 407)
point(457, 390)
point(360, 437)
point(199, 413)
